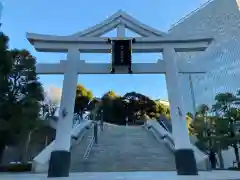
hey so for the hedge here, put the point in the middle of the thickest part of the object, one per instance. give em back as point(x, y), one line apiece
point(16, 167)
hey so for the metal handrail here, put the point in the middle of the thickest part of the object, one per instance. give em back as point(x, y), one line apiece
point(93, 140)
point(89, 148)
point(191, 13)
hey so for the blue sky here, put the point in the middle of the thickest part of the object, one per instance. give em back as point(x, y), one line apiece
point(67, 17)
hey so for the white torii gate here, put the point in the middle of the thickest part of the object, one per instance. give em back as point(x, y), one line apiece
point(90, 41)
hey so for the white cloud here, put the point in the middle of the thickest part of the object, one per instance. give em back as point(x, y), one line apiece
point(238, 3)
point(53, 93)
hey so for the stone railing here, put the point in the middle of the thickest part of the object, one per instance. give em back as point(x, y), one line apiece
point(160, 133)
point(40, 162)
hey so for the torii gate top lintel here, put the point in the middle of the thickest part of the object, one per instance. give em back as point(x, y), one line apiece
point(118, 18)
point(90, 40)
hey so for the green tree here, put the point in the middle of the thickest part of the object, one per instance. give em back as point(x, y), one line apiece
point(224, 102)
point(202, 110)
point(113, 108)
point(83, 98)
point(132, 105)
point(162, 109)
point(118, 110)
point(211, 134)
point(189, 114)
point(93, 103)
point(48, 106)
point(21, 93)
point(225, 107)
point(200, 127)
point(109, 95)
point(217, 132)
point(137, 105)
point(94, 107)
point(219, 136)
point(5, 69)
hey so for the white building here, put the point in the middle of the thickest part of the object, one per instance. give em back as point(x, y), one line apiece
point(219, 19)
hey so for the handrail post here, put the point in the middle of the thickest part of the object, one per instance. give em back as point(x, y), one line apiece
point(95, 129)
point(101, 121)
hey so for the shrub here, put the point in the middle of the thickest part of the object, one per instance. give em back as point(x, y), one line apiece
point(16, 167)
point(234, 168)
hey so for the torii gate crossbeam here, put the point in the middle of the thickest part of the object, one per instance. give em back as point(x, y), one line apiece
point(104, 68)
point(45, 43)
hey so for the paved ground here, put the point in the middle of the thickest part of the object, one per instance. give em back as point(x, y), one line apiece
point(215, 175)
point(122, 149)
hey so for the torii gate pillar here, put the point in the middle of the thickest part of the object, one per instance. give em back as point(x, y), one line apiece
point(184, 155)
point(60, 158)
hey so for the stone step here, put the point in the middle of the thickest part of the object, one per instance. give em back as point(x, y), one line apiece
point(78, 151)
point(123, 148)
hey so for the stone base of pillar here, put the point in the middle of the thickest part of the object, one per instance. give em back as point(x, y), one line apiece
point(59, 164)
point(185, 162)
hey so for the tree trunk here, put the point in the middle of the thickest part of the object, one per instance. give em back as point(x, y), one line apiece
point(23, 148)
point(220, 157)
point(236, 155)
point(22, 153)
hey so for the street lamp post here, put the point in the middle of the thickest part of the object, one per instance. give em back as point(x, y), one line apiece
point(126, 119)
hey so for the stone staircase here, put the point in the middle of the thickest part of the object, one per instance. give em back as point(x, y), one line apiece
point(122, 148)
point(78, 149)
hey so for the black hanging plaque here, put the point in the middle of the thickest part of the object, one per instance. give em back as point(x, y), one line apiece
point(121, 52)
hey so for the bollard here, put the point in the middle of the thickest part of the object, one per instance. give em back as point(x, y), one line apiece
point(95, 133)
point(101, 121)
point(101, 124)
